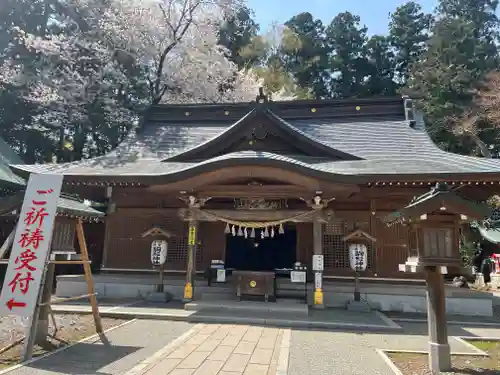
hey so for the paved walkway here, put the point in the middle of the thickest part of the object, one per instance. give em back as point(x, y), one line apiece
point(149, 347)
point(128, 345)
point(221, 350)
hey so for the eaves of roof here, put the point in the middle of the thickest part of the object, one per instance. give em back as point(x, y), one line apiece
point(360, 171)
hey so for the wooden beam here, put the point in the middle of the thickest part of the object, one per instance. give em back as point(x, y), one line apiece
point(390, 191)
point(255, 215)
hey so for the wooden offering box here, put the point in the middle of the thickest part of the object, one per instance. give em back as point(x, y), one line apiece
point(254, 284)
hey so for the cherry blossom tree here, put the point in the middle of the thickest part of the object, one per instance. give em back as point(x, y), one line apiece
point(105, 61)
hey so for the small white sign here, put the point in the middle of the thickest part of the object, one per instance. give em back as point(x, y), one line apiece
point(221, 275)
point(31, 245)
point(318, 263)
point(358, 257)
point(298, 277)
point(318, 280)
point(159, 252)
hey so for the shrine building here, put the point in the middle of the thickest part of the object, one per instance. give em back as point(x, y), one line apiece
point(265, 185)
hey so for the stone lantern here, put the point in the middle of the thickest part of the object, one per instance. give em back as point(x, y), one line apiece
point(436, 218)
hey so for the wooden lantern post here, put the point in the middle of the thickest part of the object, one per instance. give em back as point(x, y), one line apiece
point(358, 237)
point(159, 252)
point(436, 217)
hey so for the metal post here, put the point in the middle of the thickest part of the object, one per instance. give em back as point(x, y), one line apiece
point(439, 349)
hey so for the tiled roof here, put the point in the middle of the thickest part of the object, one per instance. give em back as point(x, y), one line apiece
point(387, 166)
point(75, 207)
point(8, 156)
point(66, 205)
point(389, 146)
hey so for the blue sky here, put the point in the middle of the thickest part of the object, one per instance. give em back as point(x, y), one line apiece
point(374, 14)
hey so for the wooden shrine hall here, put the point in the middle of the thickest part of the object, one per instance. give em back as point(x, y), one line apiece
point(263, 186)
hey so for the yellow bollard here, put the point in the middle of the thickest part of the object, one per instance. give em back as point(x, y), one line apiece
point(318, 296)
point(188, 291)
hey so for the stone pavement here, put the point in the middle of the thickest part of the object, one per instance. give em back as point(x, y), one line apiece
point(152, 347)
point(128, 345)
point(222, 350)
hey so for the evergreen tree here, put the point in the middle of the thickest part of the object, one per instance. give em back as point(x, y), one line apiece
point(408, 34)
point(380, 68)
point(459, 54)
point(305, 54)
point(237, 34)
point(347, 39)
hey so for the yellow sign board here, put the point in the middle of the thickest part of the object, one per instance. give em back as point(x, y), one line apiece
point(188, 291)
point(318, 297)
point(192, 236)
point(253, 284)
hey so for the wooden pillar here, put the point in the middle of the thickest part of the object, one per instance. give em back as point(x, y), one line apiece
point(318, 262)
point(193, 226)
point(107, 227)
point(439, 349)
point(42, 328)
point(88, 275)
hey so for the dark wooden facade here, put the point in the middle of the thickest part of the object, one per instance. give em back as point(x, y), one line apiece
point(361, 158)
point(137, 210)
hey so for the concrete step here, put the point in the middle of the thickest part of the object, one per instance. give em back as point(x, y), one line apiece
point(294, 307)
point(221, 296)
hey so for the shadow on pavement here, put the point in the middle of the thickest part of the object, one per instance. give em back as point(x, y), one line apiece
point(83, 358)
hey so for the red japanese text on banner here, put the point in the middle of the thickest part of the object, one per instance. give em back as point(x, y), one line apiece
point(31, 245)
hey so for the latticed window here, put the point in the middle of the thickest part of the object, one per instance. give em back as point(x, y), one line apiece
point(178, 246)
point(335, 250)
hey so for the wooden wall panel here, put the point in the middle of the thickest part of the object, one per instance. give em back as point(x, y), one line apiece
point(214, 242)
point(127, 248)
point(304, 243)
point(392, 248)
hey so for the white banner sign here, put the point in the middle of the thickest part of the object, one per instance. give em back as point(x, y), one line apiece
point(318, 262)
point(298, 277)
point(221, 275)
point(31, 245)
point(318, 280)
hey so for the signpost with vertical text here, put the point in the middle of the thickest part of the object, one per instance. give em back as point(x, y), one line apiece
point(31, 246)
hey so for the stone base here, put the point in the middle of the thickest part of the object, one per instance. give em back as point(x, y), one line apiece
point(359, 306)
point(408, 298)
point(159, 297)
point(439, 357)
point(495, 280)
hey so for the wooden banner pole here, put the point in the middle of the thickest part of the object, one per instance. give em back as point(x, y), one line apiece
point(88, 276)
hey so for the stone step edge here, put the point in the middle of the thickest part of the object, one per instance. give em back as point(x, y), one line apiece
point(194, 306)
point(274, 322)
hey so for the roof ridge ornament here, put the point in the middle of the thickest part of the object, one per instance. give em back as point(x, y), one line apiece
point(409, 111)
point(261, 98)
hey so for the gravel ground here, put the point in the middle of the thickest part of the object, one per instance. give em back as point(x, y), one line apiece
point(70, 328)
point(417, 364)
